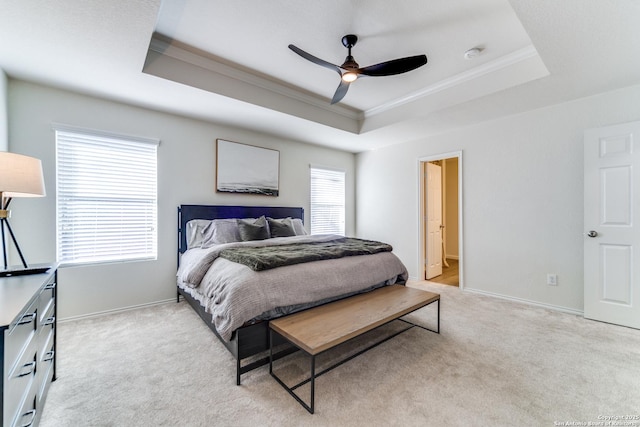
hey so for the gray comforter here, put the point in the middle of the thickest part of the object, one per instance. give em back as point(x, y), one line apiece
point(234, 294)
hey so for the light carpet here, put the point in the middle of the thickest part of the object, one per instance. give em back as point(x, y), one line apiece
point(495, 362)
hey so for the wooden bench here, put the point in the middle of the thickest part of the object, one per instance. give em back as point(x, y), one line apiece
point(321, 328)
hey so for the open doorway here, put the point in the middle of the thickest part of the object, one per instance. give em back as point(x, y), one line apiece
point(441, 219)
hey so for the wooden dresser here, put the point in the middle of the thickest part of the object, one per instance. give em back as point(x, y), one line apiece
point(27, 345)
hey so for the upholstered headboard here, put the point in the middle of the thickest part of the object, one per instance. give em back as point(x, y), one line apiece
point(188, 212)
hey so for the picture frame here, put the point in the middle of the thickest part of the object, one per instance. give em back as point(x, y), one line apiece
point(246, 169)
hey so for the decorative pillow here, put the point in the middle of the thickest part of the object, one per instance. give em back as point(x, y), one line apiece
point(194, 231)
point(220, 231)
point(281, 227)
point(298, 227)
point(253, 229)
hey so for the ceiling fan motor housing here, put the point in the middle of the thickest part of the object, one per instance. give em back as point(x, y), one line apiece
point(350, 63)
point(349, 40)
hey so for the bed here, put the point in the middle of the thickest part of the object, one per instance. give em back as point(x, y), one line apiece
point(231, 280)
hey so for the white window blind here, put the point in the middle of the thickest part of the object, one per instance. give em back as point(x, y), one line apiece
point(327, 201)
point(106, 198)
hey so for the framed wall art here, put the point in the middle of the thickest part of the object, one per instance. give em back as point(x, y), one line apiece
point(246, 169)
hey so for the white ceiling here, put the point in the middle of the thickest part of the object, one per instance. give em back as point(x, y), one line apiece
point(228, 62)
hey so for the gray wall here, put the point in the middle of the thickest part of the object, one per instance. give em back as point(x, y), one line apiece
point(186, 174)
point(4, 119)
point(522, 192)
point(522, 197)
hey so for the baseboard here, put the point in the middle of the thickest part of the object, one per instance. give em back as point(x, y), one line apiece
point(115, 311)
point(526, 301)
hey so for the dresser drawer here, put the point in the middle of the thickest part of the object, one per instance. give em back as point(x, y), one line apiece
point(46, 361)
point(46, 316)
point(19, 334)
point(27, 415)
point(47, 295)
point(20, 382)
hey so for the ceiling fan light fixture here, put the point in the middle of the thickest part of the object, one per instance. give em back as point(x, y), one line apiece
point(349, 77)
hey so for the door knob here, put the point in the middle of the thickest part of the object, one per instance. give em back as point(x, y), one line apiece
point(592, 233)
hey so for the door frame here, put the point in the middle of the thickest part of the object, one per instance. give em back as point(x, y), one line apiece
point(421, 213)
point(610, 295)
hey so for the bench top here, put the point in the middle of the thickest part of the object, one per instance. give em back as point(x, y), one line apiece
point(321, 328)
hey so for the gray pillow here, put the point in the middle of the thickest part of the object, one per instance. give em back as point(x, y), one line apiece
point(281, 227)
point(253, 229)
point(220, 231)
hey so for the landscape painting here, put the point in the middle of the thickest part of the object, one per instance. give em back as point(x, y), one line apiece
point(247, 169)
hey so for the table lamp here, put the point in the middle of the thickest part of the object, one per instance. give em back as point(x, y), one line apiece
point(20, 176)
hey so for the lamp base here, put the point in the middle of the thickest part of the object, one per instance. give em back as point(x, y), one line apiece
point(22, 271)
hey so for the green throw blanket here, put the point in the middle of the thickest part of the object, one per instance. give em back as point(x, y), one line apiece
point(266, 257)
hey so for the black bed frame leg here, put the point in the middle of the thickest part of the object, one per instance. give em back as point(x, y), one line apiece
point(237, 371)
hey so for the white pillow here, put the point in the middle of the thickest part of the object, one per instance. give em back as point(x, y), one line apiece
point(194, 231)
point(298, 227)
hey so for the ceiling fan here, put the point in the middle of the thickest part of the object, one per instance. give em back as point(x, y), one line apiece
point(350, 70)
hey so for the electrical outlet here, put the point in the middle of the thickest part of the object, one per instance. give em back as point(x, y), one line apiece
point(552, 279)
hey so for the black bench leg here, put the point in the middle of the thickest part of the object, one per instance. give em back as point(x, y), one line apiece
point(313, 383)
point(291, 390)
point(438, 315)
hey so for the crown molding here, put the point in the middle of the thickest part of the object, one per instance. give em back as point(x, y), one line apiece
point(206, 61)
point(459, 79)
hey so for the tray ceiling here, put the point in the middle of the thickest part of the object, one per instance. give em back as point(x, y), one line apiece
point(228, 62)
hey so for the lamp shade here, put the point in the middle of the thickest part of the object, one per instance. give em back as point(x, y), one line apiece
point(20, 176)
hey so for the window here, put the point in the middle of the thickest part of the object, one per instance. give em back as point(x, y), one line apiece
point(327, 201)
point(106, 197)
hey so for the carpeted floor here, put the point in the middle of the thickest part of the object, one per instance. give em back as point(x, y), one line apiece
point(495, 363)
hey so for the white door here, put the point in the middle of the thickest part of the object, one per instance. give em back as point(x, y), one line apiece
point(612, 232)
point(434, 221)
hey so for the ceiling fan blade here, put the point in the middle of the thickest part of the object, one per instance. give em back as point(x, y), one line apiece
point(395, 66)
point(340, 92)
point(315, 59)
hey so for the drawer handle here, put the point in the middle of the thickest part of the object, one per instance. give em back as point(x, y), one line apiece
point(49, 356)
point(50, 286)
point(27, 369)
point(49, 321)
point(31, 413)
point(27, 318)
